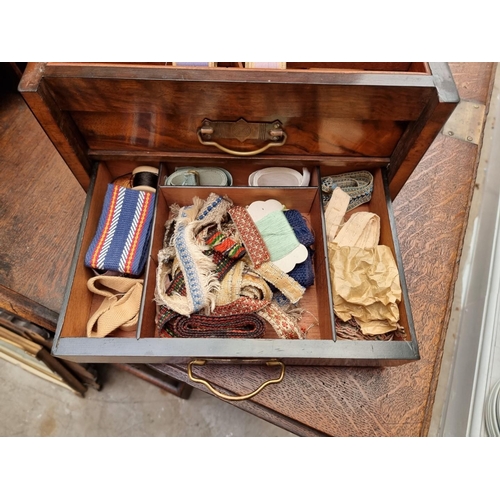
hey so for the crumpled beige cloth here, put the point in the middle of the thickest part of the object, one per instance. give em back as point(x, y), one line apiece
point(365, 284)
point(120, 307)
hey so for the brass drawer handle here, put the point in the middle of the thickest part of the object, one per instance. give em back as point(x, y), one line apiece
point(241, 130)
point(227, 397)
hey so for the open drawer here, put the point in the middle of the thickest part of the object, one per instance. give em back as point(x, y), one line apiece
point(320, 344)
point(330, 118)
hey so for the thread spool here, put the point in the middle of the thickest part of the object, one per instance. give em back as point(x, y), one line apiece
point(277, 234)
point(145, 178)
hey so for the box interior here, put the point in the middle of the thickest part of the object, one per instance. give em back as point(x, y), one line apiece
point(317, 300)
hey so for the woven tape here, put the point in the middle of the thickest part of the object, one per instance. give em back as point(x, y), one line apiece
point(121, 240)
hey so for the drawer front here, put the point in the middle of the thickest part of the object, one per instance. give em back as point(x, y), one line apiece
point(339, 120)
point(320, 347)
point(338, 112)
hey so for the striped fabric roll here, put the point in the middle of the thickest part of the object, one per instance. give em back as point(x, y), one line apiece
point(122, 236)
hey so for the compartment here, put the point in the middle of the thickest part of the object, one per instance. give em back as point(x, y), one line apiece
point(239, 169)
point(317, 298)
point(381, 205)
point(80, 303)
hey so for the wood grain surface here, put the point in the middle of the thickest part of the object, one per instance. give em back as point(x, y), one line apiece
point(431, 213)
point(319, 119)
point(150, 108)
point(40, 209)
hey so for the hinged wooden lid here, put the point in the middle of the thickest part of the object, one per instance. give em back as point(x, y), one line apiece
point(324, 112)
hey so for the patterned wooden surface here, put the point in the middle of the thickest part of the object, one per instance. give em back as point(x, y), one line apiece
point(431, 213)
point(40, 209)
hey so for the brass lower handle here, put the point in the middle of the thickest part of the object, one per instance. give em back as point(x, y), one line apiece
point(201, 362)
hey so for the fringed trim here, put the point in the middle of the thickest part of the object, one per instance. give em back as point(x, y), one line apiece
point(197, 268)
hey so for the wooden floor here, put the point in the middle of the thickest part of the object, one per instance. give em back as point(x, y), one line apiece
point(41, 205)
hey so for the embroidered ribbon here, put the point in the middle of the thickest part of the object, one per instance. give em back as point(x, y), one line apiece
point(224, 244)
point(243, 308)
point(252, 240)
point(222, 262)
point(358, 185)
point(283, 324)
point(196, 267)
point(120, 307)
point(239, 282)
point(241, 305)
point(122, 236)
point(241, 291)
point(292, 290)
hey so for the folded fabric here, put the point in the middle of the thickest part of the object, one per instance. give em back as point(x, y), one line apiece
point(335, 211)
point(121, 240)
point(120, 307)
point(362, 230)
point(248, 326)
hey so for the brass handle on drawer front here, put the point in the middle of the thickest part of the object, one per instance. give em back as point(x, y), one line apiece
point(227, 397)
point(242, 130)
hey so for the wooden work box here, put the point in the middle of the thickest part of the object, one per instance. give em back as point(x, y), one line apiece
point(106, 119)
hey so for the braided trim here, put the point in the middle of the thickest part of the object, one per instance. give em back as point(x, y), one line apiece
point(358, 185)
